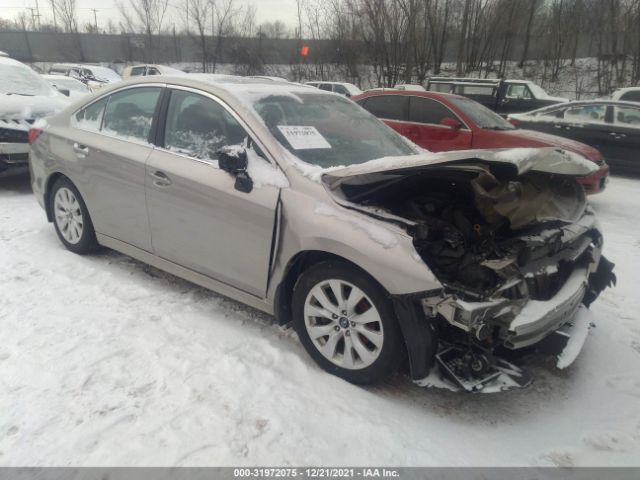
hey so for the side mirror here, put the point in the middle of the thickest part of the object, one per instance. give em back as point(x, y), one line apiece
point(64, 91)
point(452, 123)
point(233, 160)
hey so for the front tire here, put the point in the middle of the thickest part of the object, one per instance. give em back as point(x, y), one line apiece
point(71, 218)
point(347, 323)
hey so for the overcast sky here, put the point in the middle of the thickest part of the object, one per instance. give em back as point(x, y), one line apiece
point(267, 10)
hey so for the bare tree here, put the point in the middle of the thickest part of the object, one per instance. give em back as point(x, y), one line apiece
point(145, 16)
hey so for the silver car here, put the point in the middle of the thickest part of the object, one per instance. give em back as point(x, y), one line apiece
point(301, 204)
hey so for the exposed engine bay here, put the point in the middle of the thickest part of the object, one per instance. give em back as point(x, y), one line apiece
point(516, 255)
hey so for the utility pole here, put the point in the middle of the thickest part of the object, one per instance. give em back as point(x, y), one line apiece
point(95, 18)
point(38, 15)
point(34, 16)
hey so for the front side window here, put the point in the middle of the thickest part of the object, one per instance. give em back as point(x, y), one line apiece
point(198, 126)
point(425, 110)
point(389, 107)
point(129, 113)
point(153, 71)
point(328, 130)
point(628, 116)
point(586, 113)
point(325, 86)
point(440, 87)
point(90, 118)
point(519, 92)
point(341, 90)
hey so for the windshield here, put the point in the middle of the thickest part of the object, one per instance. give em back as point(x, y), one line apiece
point(105, 74)
point(16, 79)
point(329, 130)
point(481, 115)
point(70, 83)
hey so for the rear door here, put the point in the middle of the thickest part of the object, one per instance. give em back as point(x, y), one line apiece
point(197, 217)
point(589, 124)
point(424, 127)
point(111, 144)
point(625, 140)
point(392, 109)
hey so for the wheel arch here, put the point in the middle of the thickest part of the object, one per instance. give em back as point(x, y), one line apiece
point(51, 180)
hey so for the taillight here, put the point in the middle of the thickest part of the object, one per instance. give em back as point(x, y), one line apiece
point(34, 133)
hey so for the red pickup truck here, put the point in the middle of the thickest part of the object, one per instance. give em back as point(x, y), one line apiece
point(443, 122)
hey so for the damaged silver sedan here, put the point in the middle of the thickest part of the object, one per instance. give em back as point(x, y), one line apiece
point(301, 204)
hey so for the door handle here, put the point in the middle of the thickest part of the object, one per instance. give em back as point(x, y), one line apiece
point(81, 150)
point(160, 179)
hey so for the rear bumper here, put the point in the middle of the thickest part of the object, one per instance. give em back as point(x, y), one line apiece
point(597, 181)
point(14, 155)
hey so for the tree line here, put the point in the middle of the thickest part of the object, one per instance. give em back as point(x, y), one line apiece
point(402, 41)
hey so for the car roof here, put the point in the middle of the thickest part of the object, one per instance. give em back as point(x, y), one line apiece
point(619, 103)
point(411, 93)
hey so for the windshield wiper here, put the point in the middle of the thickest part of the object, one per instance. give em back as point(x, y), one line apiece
point(21, 94)
point(498, 128)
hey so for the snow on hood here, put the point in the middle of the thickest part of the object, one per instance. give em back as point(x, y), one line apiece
point(19, 107)
point(523, 160)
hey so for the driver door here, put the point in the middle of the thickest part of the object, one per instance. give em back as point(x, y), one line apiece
point(197, 218)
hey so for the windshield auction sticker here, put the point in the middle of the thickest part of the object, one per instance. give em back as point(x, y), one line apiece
point(303, 138)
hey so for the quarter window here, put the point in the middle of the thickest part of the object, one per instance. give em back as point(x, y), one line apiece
point(425, 110)
point(90, 118)
point(391, 107)
point(129, 113)
point(198, 126)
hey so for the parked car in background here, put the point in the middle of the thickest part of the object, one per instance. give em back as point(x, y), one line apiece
point(501, 96)
point(442, 122)
point(24, 98)
point(254, 203)
point(343, 88)
point(145, 70)
point(629, 94)
point(414, 88)
point(611, 127)
point(71, 87)
point(94, 76)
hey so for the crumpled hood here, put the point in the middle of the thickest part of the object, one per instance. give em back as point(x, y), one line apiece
point(21, 107)
point(522, 160)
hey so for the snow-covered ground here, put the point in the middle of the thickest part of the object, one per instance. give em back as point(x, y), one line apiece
point(105, 361)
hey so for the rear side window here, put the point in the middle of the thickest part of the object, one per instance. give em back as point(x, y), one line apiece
point(628, 116)
point(425, 110)
point(90, 118)
point(390, 107)
point(137, 71)
point(198, 126)
point(486, 91)
point(633, 96)
point(440, 87)
point(129, 113)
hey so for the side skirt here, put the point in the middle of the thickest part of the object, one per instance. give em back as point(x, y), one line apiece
point(185, 273)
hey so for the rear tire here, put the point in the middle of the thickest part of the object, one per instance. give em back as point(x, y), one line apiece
point(347, 323)
point(71, 218)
